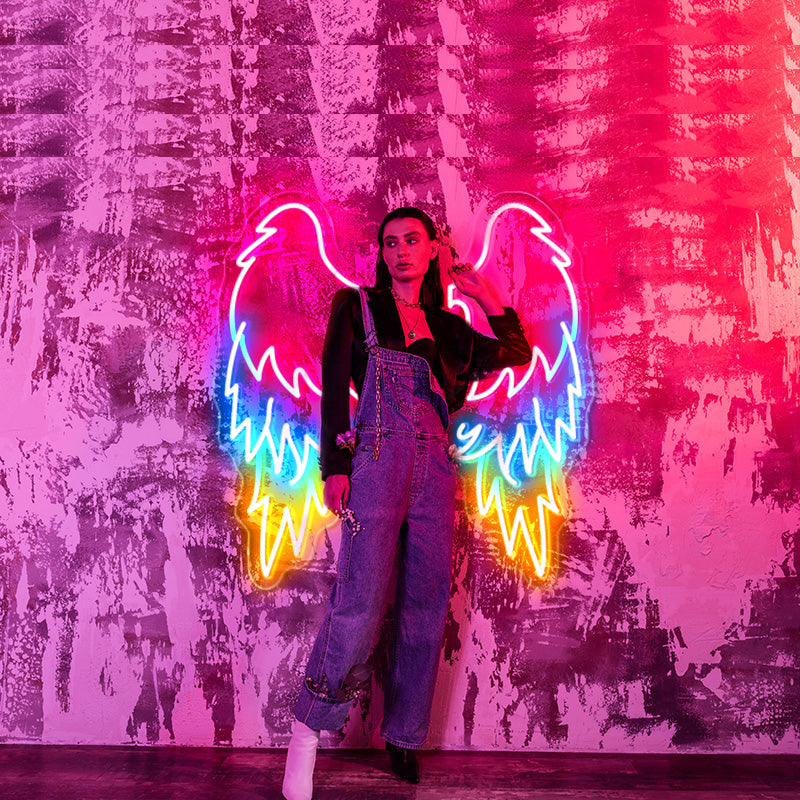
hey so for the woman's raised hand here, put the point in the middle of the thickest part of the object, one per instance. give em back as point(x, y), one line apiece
point(471, 283)
point(468, 281)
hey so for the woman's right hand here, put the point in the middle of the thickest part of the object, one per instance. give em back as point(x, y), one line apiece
point(336, 493)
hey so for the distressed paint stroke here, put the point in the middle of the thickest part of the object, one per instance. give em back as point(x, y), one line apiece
point(136, 143)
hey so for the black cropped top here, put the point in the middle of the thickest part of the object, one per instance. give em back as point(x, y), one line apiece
point(427, 349)
point(458, 354)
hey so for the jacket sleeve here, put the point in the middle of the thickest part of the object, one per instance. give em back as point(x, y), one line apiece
point(336, 368)
point(509, 349)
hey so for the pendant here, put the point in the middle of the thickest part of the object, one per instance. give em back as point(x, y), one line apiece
point(411, 334)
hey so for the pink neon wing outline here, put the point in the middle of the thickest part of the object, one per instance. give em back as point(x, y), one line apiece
point(524, 439)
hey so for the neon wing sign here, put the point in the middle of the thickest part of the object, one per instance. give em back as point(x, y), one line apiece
point(514, 439)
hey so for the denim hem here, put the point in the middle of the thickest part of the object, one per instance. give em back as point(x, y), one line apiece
point(319, 713)
point(400, 743)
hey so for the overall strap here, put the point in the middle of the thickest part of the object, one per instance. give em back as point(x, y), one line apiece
point(371, 342)
point(370, 337)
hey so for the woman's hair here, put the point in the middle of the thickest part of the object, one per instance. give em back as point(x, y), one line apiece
point(431, 294)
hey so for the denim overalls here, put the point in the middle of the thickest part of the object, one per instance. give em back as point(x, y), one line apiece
point(400, 473)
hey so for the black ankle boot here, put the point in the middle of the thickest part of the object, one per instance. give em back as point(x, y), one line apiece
point(404, 762)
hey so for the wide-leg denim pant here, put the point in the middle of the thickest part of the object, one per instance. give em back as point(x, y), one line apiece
point(401, 419)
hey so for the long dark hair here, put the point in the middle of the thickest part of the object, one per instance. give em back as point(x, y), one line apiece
point(431, 294)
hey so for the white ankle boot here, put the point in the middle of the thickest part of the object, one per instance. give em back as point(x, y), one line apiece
point(298, 777)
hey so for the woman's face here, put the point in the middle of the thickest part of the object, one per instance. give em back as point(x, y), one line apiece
point(407, 249)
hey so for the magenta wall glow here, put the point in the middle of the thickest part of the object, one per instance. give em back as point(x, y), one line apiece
point(139, 145)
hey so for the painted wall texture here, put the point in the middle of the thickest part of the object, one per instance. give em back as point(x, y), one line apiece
point(138, 138)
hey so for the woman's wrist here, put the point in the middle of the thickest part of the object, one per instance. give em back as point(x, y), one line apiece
point(489, 301)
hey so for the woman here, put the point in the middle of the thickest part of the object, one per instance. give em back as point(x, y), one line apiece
point(392, 482)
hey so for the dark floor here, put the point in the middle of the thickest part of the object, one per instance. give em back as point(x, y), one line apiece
point(30, 772)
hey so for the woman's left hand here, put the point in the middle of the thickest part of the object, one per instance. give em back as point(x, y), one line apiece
point(471, 283)
point(468, 280)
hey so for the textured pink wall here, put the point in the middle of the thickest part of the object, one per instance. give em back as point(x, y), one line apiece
point(137, 139)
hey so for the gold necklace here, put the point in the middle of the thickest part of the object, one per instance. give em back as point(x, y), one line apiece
point(411, 328)
point(404, 301)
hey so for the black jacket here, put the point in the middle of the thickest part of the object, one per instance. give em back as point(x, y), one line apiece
point(464, 353)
